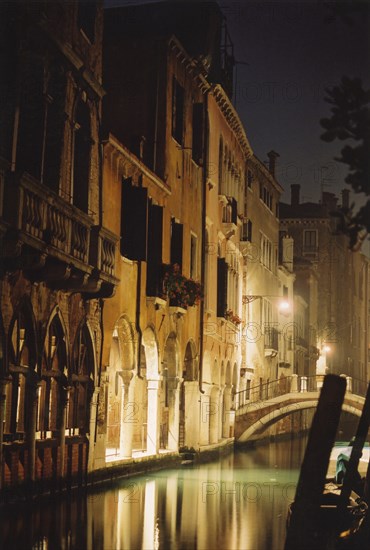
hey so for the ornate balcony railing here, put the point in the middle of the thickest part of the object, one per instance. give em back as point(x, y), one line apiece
point(55, 240)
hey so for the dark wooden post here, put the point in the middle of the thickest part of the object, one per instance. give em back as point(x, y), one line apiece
point(302, 531)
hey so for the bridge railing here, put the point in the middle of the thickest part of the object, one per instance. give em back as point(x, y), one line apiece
point(275, 388)
point(290, 384)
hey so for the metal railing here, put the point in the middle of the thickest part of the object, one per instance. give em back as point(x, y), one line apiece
point(289, 384)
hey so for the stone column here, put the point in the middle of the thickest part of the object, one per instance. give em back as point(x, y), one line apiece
point(294, 384)
point(152, 437)
point(32, 395)
point(192, 427)
point(214, 415)
point(227, 412)
point(128, 412)
point(92, 428)
point(221, 412)
point(173, 413)
point(204, 416)
point(64, 398)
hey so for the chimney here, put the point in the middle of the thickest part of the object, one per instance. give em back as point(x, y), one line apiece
point(295, 189)
point(272, 155)
point(329, 200)
point(345, 198)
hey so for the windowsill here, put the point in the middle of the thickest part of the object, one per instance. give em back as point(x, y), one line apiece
point(223, 199)
point(176, 310)
point(158, 303)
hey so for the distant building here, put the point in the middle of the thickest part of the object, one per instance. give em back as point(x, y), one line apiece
point(263, 291)
point(342, 331)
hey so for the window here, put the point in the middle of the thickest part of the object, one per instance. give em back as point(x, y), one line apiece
point(222, 275)
point(22, 361)
point(310, 241)
point(267, 256)
point(266, 197)
point(81, 156)
point(193, 257)
point(154, 257)
point(220, 166)
point(134, 206)
point(176, 242)
point(247, 231)
point(78, 412)
point(53, 372)
point(230, 211)
point(197, 142)
point(177, 111)
point(249, 179)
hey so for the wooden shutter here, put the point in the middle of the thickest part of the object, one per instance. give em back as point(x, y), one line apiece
point(154, 261)
point(234, 211)
point(176, 243)
point(221, 287)
point(197, 145)
point(133, 221)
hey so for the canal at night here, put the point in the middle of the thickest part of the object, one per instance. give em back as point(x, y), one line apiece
point(237, 502)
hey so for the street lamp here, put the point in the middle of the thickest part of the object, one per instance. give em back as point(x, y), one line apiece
point(284, 305)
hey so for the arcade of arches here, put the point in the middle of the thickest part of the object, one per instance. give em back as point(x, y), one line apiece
point(160, 406)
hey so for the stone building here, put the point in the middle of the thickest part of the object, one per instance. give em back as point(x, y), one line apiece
point(263, 291)
point(57, 258)
point(342, 300)
point(228, 150)
point(153, 324)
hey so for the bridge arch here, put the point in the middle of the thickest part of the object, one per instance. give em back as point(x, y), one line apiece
point(273, 416)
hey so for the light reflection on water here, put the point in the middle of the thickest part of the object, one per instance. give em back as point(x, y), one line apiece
point(237, 503)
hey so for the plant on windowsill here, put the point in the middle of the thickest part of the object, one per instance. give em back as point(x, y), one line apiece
point(231, 316)
point(181, 291)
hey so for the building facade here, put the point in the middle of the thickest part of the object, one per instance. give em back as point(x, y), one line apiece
point(58, 259)
point(341, 287)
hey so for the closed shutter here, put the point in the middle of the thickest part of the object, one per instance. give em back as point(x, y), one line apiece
point(133, 221)
point(234, 211)
point(221, 287)
point(176, 243)
point(155, 234)
point(197, 145)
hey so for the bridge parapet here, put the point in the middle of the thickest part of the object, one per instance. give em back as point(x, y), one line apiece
point(270, 402)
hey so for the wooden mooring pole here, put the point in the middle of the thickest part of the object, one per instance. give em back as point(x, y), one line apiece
point(303, 532)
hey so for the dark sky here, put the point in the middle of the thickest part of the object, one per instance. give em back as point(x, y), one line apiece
point(293, 54)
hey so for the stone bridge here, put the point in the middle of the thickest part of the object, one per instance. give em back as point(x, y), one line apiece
point(260, 407)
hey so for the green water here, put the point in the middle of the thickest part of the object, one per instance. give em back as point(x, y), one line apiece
point(238, 502)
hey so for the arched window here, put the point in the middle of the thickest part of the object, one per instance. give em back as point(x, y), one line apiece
point(81, 156)
point(22, 361)
point(54, 374)
point(78, 416)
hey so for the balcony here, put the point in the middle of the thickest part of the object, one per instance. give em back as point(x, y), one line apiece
point(53, 241)
point(271, 337)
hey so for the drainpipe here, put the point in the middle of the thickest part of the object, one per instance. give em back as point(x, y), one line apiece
point(204, 210)
point(138, 306)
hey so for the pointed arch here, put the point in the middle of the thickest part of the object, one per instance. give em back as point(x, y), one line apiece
point(22, 354)
point(83, 372)
point(54, 376)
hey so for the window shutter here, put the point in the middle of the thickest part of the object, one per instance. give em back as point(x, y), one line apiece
point(155, 234)
point(133, 221)
point(221, 287)
point(176, 243)
point(197, 146)
point(234, 211)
